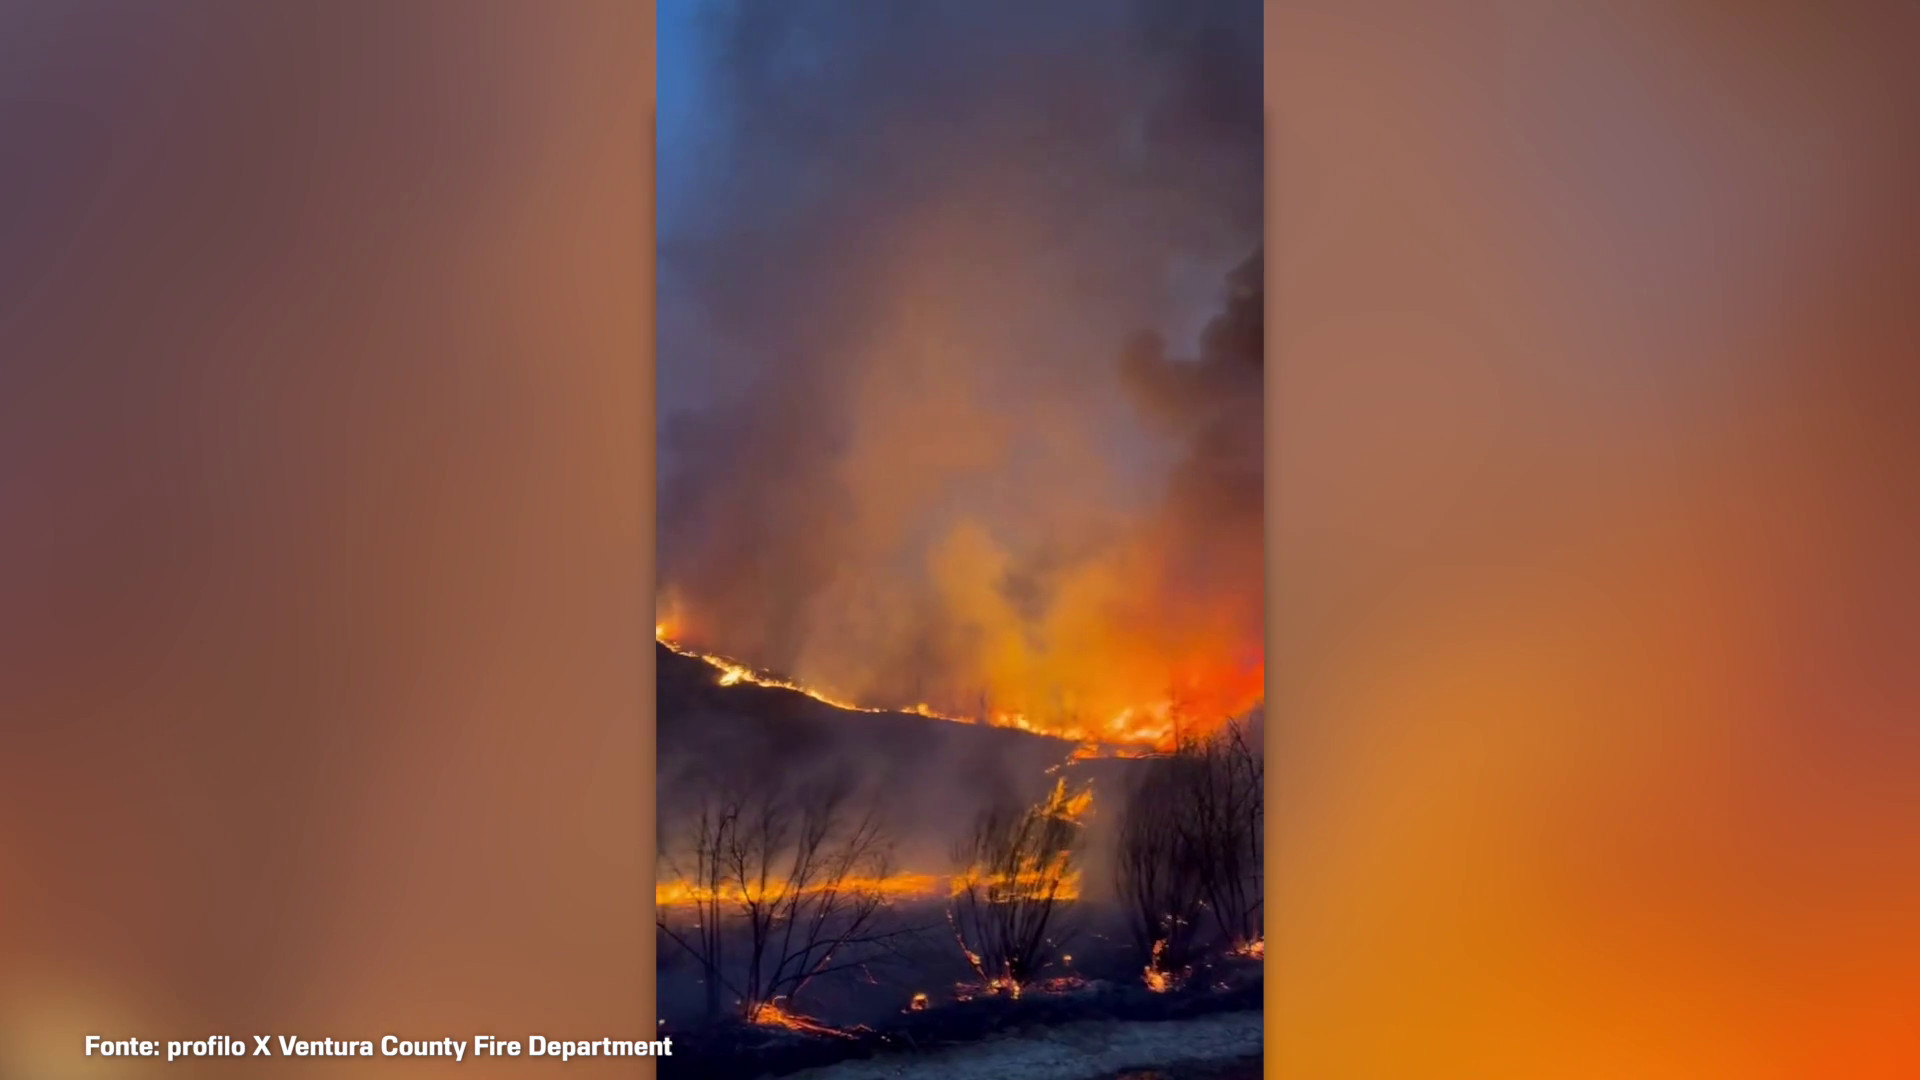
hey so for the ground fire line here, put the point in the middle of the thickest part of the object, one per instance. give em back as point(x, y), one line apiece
point(1132, 732)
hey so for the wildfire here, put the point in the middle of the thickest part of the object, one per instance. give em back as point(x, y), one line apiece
point(1132, 732)
point(1004, 987)
point(681, 893)
point(997, 987)
point(1070, 807)
point(1053, 875)
point(1062, 984)
point(1158, 979)
point(1255, 949)
point(734, 673)
point(1063, 883)
point(771, 1014)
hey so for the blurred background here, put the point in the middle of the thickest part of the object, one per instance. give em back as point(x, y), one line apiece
point(325, 466)
point(1593, 381)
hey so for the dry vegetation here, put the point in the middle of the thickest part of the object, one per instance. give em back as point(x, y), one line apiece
point(785, 883)
point(776, 886)
point(1191, 845)
point(1015, 876)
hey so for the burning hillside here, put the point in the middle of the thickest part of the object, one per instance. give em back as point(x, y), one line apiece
point(1132, 730)
point(927, 771)
point(1119, 628)
point(963, 398)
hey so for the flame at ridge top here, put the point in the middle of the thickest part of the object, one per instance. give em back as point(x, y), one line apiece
point(1132, 731)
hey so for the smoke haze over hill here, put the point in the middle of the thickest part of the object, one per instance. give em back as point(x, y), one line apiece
point(960, 352)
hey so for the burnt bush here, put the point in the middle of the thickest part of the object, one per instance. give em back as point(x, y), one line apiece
point(1191, 847)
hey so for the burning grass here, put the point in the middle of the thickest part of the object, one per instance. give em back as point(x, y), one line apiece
point(735, 673)
point(681, 893)
point(758, 864)
point(1019, 880)
point(1134, 731)
point(772, 1015)
point(920, 1023)
point(1157, 978)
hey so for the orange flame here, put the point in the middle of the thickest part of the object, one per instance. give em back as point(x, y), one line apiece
point(680, 893)
point(771, 1014)
point(996, 987)
point(1158, 979)
point(1037, 876)
point(1129, 732)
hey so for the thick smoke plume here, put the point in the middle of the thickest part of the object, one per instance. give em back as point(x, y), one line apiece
point(961, 351)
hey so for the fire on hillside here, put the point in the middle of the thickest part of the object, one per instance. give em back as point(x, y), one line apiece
point(1131, 732)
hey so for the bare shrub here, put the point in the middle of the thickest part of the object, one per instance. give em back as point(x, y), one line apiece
point(1160, 869)
point(784, 885)
point(1192, 843)
point(1233, 825)
point(1015, 874)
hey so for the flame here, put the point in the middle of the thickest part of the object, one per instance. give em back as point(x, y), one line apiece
point(1158, 979)
point(678, 893)
point(1061, 984)
point(996, 987)
point(735, 673)
point(1072, 807)
point(771, 1014)
point(1257, 948)
point(1036, 877)
point(918, 1003)
point(1130, 732)
point(1003, 987)
point(1033, 882)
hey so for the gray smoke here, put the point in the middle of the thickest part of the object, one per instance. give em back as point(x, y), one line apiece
point(905, 248)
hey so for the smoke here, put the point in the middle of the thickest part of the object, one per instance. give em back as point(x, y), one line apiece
point(960, 349)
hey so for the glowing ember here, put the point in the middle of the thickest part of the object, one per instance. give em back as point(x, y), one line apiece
point(1061, 984)
point(1002, 888)
point(990, 988)
point(1256, 948)
point(918, 1004)
point(1056, 985)
point(771, 1014)
point(1158, 980)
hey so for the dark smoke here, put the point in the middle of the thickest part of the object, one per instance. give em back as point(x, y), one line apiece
point(1214, 404)
point(909, 453)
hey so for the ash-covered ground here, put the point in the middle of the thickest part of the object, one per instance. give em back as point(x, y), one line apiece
point(1078, 1026)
